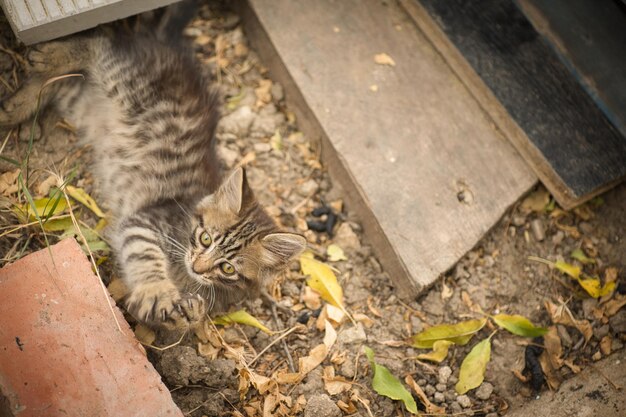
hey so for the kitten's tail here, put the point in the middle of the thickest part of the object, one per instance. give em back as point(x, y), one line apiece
point(174, 19)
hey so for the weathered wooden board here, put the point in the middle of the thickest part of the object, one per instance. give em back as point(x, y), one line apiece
point(590, 38)
point(529, 93)
point(41, 20)
point(420, 161)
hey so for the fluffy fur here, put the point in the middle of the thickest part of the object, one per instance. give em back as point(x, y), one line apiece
point(184, 243)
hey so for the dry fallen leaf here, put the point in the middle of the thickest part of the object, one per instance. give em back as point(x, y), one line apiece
point(562, 315)
point(605, 345)
point(552, 345)
point(117, 289)
point(335, 385)
point(430, 407)
point(8, 182)
point(311, 299)
point(384, 59)
point(241, 317)
point(439, 352)
point(553, 378)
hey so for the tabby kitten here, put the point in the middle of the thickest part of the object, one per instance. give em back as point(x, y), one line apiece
point(185, 245)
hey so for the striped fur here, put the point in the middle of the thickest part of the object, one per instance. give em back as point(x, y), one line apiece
point(150, 118)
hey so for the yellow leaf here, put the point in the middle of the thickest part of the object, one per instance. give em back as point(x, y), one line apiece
point(593, 287)
point(45, 207)
point(571, 270)
point(323, 280)
point(335, 253)
point(459, 333)
point(474, 366)
point(536, 201)
point(55, 225)
point(241, 317)
point(518, 325)
point(85, 199)
point(439, 353)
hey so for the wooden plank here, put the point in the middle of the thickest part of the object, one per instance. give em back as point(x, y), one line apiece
point(590, 38)
point(38, 20)
point(528, 92)
point(406, 154)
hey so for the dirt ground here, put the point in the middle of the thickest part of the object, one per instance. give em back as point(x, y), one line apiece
point(259, 130)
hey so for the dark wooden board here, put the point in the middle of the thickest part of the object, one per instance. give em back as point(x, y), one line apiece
point(403, 153)
point(529, 93)
point(590, 38)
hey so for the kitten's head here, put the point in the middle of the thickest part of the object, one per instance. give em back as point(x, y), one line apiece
point(234, 245)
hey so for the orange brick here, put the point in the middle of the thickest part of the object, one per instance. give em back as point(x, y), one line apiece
point(61, 353)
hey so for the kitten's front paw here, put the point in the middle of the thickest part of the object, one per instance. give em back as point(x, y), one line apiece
point(160, 304)
point(46, 57)
point(156, 304)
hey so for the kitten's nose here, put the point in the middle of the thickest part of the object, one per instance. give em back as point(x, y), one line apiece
point(200, 266)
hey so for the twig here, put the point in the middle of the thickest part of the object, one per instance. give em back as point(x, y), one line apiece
point(160, 349)
point(272, 343)
point(282, 340)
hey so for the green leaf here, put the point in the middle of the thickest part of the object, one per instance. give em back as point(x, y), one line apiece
point(519, 325)
point(459, 333)
point(474, 366)
point(439, 353)
point(580, 256)
point(56, 225)
point(241, 317)
point(385, 384)
point(85, 199)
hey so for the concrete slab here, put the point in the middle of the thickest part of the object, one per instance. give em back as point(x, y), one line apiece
point(61, 352)
point(591, 393)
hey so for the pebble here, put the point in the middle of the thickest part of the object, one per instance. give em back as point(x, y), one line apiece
point(464, 400)
point(618, 322)
point(347, 369)
point(321, 405)
point(538, 230)
point(601, 331)
point(492, 415)
point(558, 237)
point(585, 227)
point(238, 122)
point(518, 220)
point(439, 397)
point(307, 188)
point(227, 155)
point(262, 147)
point(352, 334)
point(589, 304)
point(429, 390)
point(455, 407)
point(566, 339)
point(346, 238)
point(453, 380)
point(444, 374)
point(484, 391)
point(421, 382)
point(277, 92)
point(441, 387)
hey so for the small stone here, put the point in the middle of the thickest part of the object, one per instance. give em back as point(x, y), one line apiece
point(352, 334)
point(346, 238)
point(464, 400)
point(518, 220)
point(307, 188)
point(444, 374)
point(601, 331)
point(450, 396)
point(492, 415)
point(589, 304)
point(616, 344)
point(227, 155)
point(321, 405)
point(484, 391)
point(558, 237)
point(439, 397)
point(455, 407)
point(238, 122)
point(596, 356)
point(347, 369)
point(441, 387)
point(421, 382)
point(430, 390)
point(538, 230)
point(453, 380)
point(585, 227)
point(432, 303)
point(262, 147)
point(618, 322)
point(277, 92)
point(566, 339)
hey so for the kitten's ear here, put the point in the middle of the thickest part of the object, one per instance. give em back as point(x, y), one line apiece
point(282, 248)
point(231, 192)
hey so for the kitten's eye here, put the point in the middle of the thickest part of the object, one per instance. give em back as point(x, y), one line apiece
point(227, 268)
point(205, 239)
